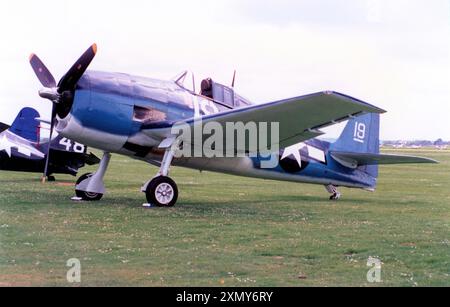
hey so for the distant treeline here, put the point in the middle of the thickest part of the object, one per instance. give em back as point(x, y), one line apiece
point(422, 143)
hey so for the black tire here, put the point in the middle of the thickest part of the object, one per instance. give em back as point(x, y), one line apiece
point(162, 192)
point(86, 196)
point(334, 197)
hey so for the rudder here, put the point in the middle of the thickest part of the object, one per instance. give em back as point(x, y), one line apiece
point(361, 135)
point(26, 124)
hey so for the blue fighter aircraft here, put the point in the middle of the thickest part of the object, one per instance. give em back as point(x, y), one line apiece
point(135, 116)
point(23, 149)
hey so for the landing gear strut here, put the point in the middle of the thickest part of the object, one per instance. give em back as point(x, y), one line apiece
point(90, 187)
point(162, 191)
point(335, 194)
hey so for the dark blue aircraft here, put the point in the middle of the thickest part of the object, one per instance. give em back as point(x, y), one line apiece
point(22, 150)
point(140, 117)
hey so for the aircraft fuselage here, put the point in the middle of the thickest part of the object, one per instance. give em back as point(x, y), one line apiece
point(122, 114)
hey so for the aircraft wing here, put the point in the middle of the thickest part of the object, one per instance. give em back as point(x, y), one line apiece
point(67, 162)
point(299, 118)
point(359, 159)
point(91, 159)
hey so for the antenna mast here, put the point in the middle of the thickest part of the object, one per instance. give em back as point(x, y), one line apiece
point(234, 79)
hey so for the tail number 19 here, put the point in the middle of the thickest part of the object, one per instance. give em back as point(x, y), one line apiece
point(76, 147)
point(360, 132)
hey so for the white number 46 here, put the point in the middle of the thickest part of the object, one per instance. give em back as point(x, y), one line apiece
point(76, 147)
point(360, 132)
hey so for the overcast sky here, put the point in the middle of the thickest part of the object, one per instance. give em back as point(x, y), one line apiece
point(394, 54)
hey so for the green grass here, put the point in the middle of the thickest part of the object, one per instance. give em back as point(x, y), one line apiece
point(228, 230)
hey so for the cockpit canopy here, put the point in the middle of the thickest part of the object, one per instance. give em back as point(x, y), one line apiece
point(220, 93)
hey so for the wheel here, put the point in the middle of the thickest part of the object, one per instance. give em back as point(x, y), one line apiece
point(86, 195)
point(162, 192)
point(51, 178)
point(335, 196)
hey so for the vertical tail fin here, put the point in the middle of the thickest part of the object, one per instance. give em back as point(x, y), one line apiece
point(361, 135)
point(26, 125)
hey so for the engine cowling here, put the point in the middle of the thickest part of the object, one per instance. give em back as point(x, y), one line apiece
point(101, 114)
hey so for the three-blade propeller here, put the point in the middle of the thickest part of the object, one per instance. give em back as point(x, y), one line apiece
point(63, 92)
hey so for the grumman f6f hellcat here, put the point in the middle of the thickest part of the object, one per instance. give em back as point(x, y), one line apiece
point(136, 116)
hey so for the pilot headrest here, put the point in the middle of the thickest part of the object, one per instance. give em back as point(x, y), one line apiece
point(206, 84)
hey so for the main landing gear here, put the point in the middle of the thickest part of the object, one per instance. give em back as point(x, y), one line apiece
point(335, 194)
point(90, 187)
point(162, 191)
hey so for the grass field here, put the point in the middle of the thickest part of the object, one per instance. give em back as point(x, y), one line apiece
point(228, 231)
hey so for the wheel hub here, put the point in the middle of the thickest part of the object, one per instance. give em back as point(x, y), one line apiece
point(164, 193)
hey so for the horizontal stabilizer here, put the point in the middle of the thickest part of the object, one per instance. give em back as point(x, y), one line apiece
point(354, 160)
point(4, 127)
point(43, 120)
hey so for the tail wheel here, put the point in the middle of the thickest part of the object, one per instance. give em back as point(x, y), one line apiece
point(162, 192)
point(87, 196)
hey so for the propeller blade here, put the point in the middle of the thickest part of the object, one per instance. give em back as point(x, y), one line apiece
point(42, 72)
point(71, 78)
point(47, 158)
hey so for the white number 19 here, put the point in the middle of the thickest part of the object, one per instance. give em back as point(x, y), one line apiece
point(360, 132)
